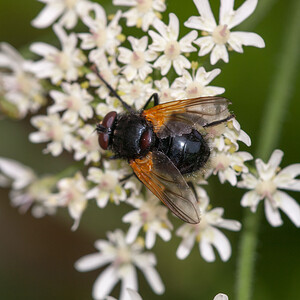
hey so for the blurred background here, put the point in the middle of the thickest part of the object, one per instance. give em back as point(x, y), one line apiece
point(37, 255)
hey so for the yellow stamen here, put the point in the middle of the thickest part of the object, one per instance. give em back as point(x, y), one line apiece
point(121, 37)
point(237, 168)
point(85, 85)
point(195, 65)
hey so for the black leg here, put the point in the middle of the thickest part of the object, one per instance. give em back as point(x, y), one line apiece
point(112, 90)
point(156, 100)
point(126, 177)
point(220, 121)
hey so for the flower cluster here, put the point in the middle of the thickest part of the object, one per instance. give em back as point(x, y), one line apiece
point(136, 67)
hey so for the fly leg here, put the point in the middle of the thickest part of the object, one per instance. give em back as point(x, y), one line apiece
point(155, 98)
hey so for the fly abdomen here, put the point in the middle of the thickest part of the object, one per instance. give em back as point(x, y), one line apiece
point(188, 152)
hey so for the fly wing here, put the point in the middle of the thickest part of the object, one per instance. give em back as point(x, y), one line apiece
point(179, 117)
point(164, 180)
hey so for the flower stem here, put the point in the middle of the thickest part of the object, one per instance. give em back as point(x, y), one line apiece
point(274, 115)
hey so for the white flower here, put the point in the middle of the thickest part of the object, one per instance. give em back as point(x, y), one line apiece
point(87, 145)
point(137, 61)
point(69, 9)
point(52, 128)
point(221, 296)
point(166, 42)
point(143, 12)
point(136, 92)
point(102, 109)
point(124, 259)
point(228, 135)
point(152, 217)
point(206, 233)
point(74, 101)
point(20, 175)
point(266, 187)
point(165, 92)
point(71, 193)
point(103, 37)
point(58, 64)
point(17, 85)
point(220, 36)
point(229, 165)
point(109, 71)
point(194, 86)
point(28, 191)
point(108, 186)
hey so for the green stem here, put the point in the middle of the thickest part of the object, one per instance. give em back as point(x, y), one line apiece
point(275, 111)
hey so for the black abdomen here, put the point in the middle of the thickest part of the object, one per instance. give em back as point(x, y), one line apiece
point(188, 152)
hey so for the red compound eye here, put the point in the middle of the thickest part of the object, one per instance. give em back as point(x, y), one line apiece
point(109, 119)
point(103, 140)
point(107, 122)
point(146, 139)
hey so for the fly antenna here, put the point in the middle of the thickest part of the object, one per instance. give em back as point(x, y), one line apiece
point(112, 90)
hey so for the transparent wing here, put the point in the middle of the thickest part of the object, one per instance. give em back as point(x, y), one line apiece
point(179, 117)
point(164, 180)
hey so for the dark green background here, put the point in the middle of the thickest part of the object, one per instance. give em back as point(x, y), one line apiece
point(37, 256)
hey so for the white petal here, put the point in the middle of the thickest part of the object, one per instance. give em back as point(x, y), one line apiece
point(180, 64)
point(290, 207)
point(38, 137)
point(150, 239)
point(206, 250)
point(185, 42)
point(164, 63)
point(242, 13)
point(272, 214)
point(154, 280)
point(207, 77)
point(21, 174)
point(275, 159)
point(129, 72)
point(206, 21)
point(245, 138)
point(292, 170)
point(124, 55)
point(250, 199)
point(134, 295)
point(10, 55)
point(222, 244)
point(133, 232)
point(48, 15)
point(165, 234)
point(129, 280)
point(69, 19)
point(226, 11)
point(105, 283)
point(158, 42)
point(185, 246)
point(206, 44)
point(219, 52)
point(239, 38)
point(285, 178)
point(230, 225)
point(42, 49)
point(91, 262)
point(173, 27)
point(161, 28)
